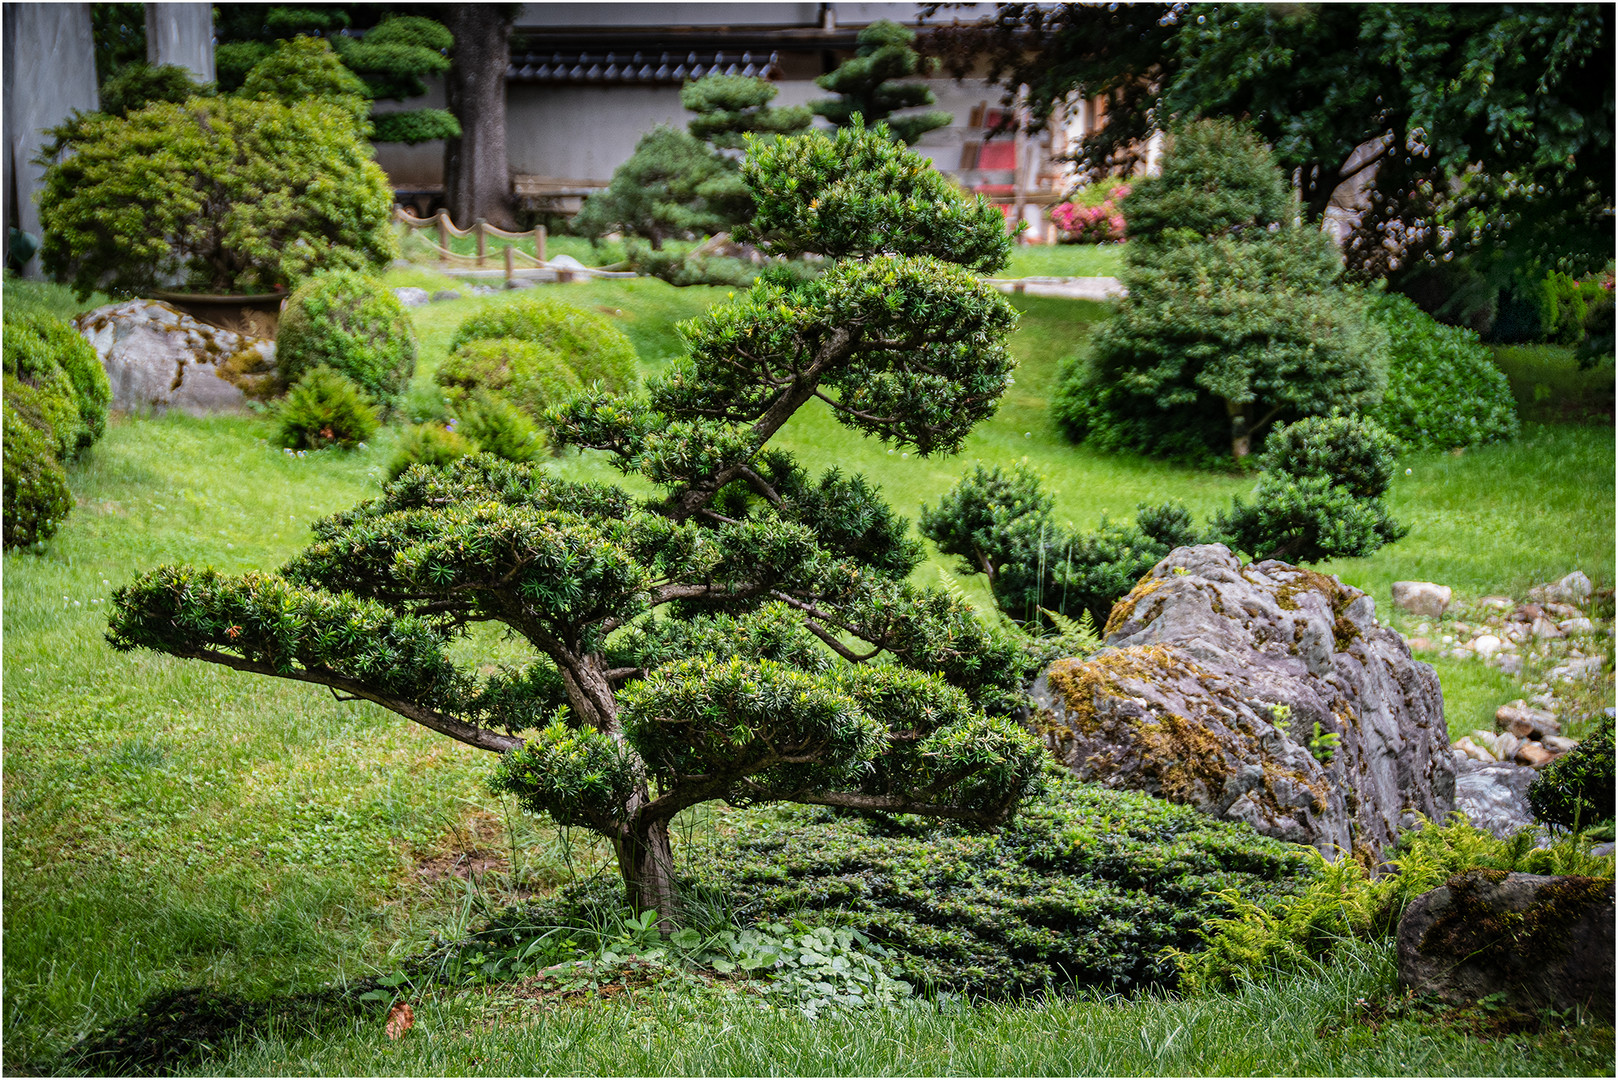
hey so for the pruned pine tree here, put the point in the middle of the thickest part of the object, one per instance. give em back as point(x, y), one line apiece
point(865, 86)
point(751, 635)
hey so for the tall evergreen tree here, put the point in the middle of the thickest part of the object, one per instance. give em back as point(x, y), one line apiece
point(865, 87)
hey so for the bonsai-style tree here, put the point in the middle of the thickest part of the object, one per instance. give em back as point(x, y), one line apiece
point(749, 635)
point(864, 84)
point(1235, 319)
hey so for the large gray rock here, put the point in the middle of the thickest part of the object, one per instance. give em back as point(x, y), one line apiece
point(1223, 686)
point(160, 358)
point(1543, 942)
point(1494, 795)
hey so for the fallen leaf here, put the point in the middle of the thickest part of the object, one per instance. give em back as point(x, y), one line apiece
point(400, 1020)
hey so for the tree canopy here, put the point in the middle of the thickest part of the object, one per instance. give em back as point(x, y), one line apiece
point(750, 634)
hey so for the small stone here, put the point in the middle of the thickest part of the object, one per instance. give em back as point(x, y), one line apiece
point(1532, 753)
point(1498, 603)
point(1524, 721)
point(1579, 625)
point(1419, 644)
point(1461, 653)
point(1487, 645)
point(443, 295)
point(1562, 611)
point(1421, 597)
point(1511, 665)
point(1528, 613)
point(1544, 628)
point(1471, 750)
point(1506, 746)
point(1559, 744)
point(410, 296)
point(1576, 586)
point(520, 283)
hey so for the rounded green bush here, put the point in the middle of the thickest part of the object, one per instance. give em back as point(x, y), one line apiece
point(528, 375)
point(596, 350)
point(498, 427)
point(36, 343)
point(427, 444)
point(1352, 452)
point(36, 493)
point(324, 409)
point(1444, 389)
point(354, 325)
point(1576, 790)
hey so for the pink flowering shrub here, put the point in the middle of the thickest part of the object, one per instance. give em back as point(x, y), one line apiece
point(1093, 216)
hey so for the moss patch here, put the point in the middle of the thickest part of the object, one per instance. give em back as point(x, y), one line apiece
point(1123, 609)
point(1476, 930)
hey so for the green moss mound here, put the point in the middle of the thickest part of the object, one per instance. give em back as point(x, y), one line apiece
point(1444, 389)
point(1086, 887)
point(596, 350)
point(354, 325)
point(36, 493)
point(427, 444)
point(529, 375)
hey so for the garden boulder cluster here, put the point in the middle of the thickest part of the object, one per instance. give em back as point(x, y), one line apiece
point(1263, 693)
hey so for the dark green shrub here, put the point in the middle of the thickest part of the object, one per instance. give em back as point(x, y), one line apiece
point(427, 444)
point(866, 88)
point(1084, 889)
point(1444, 389)
point(229, 194)
point(530, 376)
point(305, 69)
point(325, 408)
point(1576, 790)
point(35, 343)
point(233, 61)
point(498, 427)
point(138, 84)
point(1235, 318)
point(1320, 496)
point(596, 350)
point(36, 493)
point(353, 324)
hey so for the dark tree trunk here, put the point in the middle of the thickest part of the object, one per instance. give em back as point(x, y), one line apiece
point(1240, 434)
point(646, 861)
point(477, 176)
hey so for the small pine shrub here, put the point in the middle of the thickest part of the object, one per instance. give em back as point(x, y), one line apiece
point(427, 444)
point(36, 493)
point(1576, 790)
point(324, 409)
point(529, 375)
point(498, 427)
point(596, 350)
point(354, 325)
point(1444, 389)
point(138, 84)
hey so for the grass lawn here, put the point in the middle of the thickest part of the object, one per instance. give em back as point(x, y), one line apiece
point(170, 823)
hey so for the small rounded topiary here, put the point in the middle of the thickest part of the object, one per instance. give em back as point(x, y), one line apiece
point(325, 409)
point(500, 428)
point(353, 324)
point(1353, 452)
point(37, 344)
point(596, 350)
point(1576, 790)
point(1444, 389)
point(528, 375)
point(427, 444)
point(36, 493)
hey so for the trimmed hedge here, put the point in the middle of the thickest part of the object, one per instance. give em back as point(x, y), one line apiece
point(41, 350)
point(1085, 887)
point(1444, 389)
point(595, 349)
point(528, 375)
point(354, 325)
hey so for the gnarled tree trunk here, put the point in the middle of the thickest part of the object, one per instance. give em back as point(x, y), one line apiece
point(646, 861)
point(477, 176)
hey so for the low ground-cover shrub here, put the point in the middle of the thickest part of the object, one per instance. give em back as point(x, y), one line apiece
point(427, 444)
point(1085, 887)
point(355, 326)
point(1444, 389)
point(326, 408)
point(589, 344)
point(1576, 790)
point(1340, 901)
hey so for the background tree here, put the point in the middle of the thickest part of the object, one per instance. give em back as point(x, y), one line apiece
point(865, 87)
point(1513, 103)
point(660, 192)
point(729, 108)
point(750, 636)
point(1234, 319)
point(477, 175)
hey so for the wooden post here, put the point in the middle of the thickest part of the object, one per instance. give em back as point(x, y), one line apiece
point(483, 243)
point(443, 235)
point(510, 266)
point(539, 242)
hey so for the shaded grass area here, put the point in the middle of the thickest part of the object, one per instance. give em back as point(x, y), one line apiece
point(1550, 387)
point(170, 823)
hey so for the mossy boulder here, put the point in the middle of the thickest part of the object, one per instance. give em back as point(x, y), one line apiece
point(1541, 941)
point(157, 357)
point(1266, 694)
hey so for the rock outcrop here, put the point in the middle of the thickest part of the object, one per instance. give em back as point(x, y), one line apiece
point(1264, 693)
point(158, 357)
point(1543, 942)
point(1494, 794)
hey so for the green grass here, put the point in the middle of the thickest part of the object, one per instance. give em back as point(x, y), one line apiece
point(171, 823)
point(1550, 387)
point(1065, 260)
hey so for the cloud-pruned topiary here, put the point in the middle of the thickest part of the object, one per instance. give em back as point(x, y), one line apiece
point(354, 325)
point(1444, 389)
point(226, 194)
